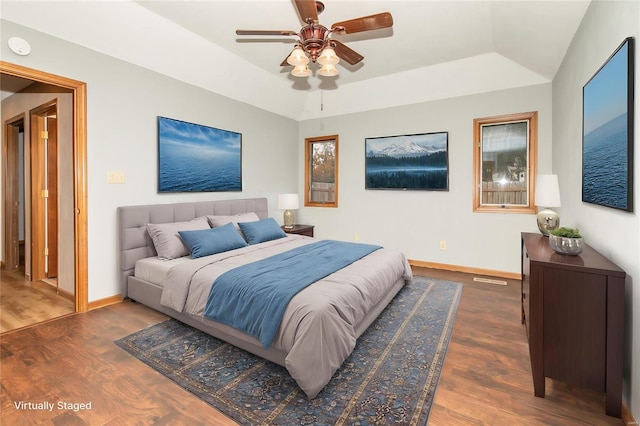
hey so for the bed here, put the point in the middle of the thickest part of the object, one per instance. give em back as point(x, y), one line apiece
point(321, 322)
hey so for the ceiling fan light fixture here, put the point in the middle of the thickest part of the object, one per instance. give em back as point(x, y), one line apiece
point(328, 57)
point(301, 71)
point(298, 57)
point(329, 70)
point(314, 40)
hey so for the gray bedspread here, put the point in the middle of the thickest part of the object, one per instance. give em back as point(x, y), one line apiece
point(318, 330)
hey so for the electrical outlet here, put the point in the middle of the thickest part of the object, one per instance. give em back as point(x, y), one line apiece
point(443, 245)
point(356, 237)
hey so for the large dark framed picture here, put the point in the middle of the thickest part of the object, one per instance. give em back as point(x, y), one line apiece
point(408, 162)
point(197, 158)
point(607, 132)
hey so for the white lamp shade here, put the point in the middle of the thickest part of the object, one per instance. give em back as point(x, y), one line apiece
point(301, 71)
point(288, 201)
point(297, 57)
point(547, 191)
point(328, 70)
point(328, 57)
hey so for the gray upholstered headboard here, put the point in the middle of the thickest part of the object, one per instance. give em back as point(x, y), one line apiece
point(134, 242)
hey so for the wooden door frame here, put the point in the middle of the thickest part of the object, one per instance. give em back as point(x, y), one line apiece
point(10, 156)
point(38, 158)
point(79, 91)
point(52, 199)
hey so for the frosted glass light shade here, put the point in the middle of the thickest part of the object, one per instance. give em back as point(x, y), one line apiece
point(328, 57)
point(328, 70)
point(547, 191)
point(297, 57)
point(301, 71)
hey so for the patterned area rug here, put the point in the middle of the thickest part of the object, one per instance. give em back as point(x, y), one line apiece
point(390, 378)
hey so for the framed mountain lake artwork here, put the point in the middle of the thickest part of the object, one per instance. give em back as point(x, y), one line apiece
point(408, 162)
point(607, 132)
point(197, 158)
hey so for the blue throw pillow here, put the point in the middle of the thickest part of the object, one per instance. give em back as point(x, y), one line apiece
point(211, 241)
point(261, 231)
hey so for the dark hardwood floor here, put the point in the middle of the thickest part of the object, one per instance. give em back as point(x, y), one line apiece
point(486, 378)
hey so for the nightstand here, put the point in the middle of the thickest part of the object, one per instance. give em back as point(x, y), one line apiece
point(300, 230)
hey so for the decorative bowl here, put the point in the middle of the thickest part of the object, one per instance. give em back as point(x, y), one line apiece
point(566, 245)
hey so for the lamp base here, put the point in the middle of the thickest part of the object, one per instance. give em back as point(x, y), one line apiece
point(288, 219)
point(548, 220)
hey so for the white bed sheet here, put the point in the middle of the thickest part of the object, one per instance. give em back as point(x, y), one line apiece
point(154, 269)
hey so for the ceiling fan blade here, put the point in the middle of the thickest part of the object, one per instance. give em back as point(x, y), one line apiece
point(366, 23)
point(307, 10)
point(266, 32)
point(345, 53)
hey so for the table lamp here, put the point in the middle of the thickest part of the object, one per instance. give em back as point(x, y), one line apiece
point(547, 195)
point(288, 203)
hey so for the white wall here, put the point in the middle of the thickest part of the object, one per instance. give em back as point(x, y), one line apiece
point(613, 233)
point(416, 221)
point(123, 102)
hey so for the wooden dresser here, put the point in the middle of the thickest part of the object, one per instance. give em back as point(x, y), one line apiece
point(573, 311)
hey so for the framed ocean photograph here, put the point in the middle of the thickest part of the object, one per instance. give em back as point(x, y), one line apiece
point(607, 132)
point(197, 158)
point(408, 162)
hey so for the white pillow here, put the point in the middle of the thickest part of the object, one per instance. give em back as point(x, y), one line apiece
point(216, 221)
point(166, 239)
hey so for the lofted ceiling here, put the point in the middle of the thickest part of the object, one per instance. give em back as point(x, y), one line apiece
point(435, 49)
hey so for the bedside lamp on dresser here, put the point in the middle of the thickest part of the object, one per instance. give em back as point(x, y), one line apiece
point(547, 195)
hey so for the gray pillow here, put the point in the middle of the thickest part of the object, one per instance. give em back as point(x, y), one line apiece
point(166, 239)
point(216, 221)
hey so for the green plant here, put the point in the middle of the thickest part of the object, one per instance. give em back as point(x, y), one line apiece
point(566, 232)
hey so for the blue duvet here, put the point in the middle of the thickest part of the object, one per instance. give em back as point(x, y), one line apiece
point(253, 297)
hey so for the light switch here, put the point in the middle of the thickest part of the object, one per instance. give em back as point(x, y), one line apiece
point(115, 177)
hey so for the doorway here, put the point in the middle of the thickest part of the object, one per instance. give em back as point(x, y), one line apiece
point(79, 179)
point(40, 260)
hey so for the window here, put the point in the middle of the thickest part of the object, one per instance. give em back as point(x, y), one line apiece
point(321, 171)
point(504, 163)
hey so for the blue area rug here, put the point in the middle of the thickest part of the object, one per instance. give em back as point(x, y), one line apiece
point(390, 378)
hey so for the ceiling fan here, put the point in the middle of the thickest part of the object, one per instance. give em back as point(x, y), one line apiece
point(315, 42)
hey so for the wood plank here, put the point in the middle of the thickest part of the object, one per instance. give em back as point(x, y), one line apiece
point(486, 377)
point(25, 303)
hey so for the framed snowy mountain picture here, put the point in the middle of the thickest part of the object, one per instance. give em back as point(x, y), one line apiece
point(408, 162)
